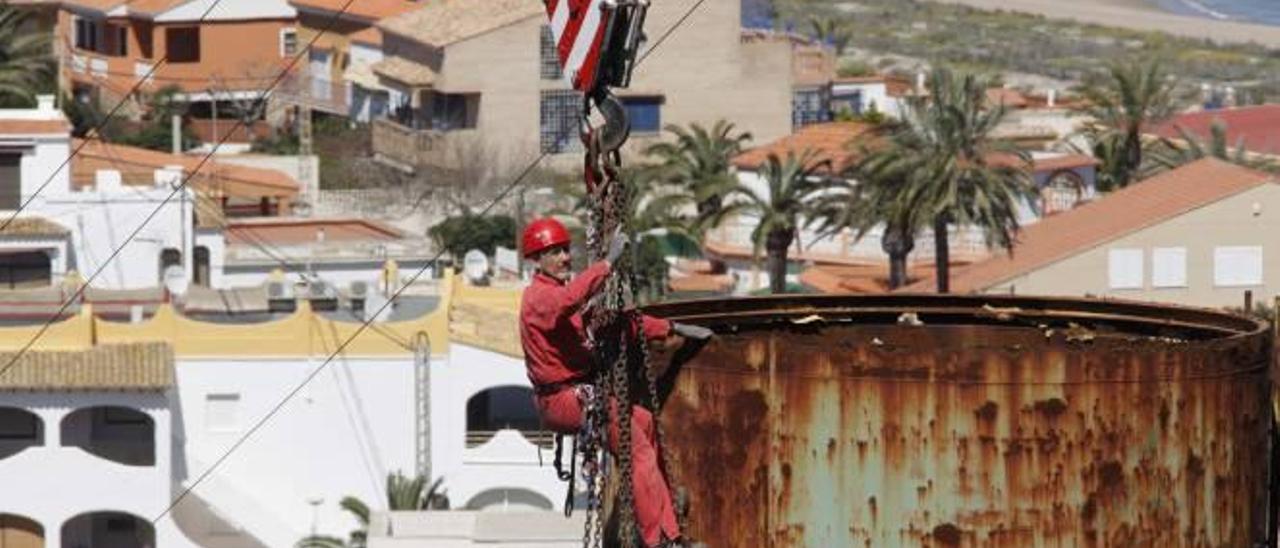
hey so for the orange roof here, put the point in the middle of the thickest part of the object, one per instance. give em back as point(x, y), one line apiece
point(139, 165)
point(34, 127)
point(1009, 98)
point(297, 231)
point(1046, 164)
point(371, 35)
point(1123, 212)
point(830, 141)
point(855, 279)
point(873, 79)
point(367, 9)
point(702, 283)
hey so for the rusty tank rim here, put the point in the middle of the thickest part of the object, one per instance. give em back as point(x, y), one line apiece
point(1128, 317)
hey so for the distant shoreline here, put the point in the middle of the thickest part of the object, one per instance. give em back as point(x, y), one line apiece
point(1137, 15)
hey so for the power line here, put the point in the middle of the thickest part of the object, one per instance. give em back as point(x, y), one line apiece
point(178, 188)
point(98, 129)
point(365, 325)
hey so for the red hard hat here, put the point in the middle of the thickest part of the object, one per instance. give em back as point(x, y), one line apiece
point(542, 234)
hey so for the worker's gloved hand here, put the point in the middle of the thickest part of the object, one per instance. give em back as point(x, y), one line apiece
point(690, 331)
point(617, 246)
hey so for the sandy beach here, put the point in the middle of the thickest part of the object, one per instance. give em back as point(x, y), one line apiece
point(1136, 14)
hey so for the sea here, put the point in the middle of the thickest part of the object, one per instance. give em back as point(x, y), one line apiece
point(1251, 11)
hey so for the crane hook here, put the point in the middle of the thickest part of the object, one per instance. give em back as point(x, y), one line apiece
point(617, 126)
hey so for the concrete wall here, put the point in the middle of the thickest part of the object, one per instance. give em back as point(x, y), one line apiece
point(1229, 222)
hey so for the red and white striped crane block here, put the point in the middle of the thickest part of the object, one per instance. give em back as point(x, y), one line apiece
point(578, 27)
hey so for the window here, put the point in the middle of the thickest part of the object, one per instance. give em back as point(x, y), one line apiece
point(1169, 267)
point(558, 128)
point(121, 40)
point(549, 56)
point(10, 181)
point(450, 111)
point(86, 34)
point(809, 107)
point(288, 42)
point(182, 45)
point(645, 113)
point(1237, 266)
point(222, 412)
point(1124, 268)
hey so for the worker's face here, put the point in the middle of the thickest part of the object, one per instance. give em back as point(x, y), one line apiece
point(556, 262)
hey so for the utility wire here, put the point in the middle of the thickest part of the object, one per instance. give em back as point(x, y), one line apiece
point(177, 188)
point(97, 130)
point(364, 325)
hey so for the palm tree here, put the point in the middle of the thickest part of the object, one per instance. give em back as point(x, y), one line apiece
point(1121, 103)
point(403, 493)
point(26, 60)
point(781, 209)
point(1170, 154)
point(941, 161)
point(698, 160)
point(831, 30)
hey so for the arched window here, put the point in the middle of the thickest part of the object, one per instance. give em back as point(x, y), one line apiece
point(25, 269)
point(107, 528)
point(119, 434)
point(503, 408)
point(201, 259)
point(19, 429)
point(20, 532)
point(169, 257)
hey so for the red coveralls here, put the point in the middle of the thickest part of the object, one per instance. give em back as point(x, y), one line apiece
point(555, 351)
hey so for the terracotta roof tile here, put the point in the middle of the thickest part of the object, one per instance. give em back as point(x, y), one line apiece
point(1009, 98)
point(406, 71)
point(443, 22)
point(371, 36)
point(34, 127)
point(291, 230)
point(34, 226)
point(139, 165)
point(1123, 212)
point(831, 141)
point(138, 367)
point(366, 9)
point(1258, 127)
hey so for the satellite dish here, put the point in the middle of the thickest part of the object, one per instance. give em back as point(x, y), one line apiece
point(175, 280)
point(476, 266)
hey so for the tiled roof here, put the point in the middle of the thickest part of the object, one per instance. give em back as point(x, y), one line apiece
point(831, 141)
point(405, 71)
point(443, 22)
point(139, 164)
point(367, 9)
point(286, 231)
point(34, 127)
point(33, 226)
point(1009, 98)
point(858, 279)
point(1120, 213)
point(371, 36)
point(1258, 127)
point(134, 367)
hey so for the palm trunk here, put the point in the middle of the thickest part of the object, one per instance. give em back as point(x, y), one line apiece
point(777, 244)
point(898, 245)
point(942, 254)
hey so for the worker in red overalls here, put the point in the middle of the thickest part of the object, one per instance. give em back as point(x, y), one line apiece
point(559, 361)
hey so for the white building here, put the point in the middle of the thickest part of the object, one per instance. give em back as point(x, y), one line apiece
point(444, 393)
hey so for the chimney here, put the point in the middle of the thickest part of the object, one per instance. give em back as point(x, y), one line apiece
point(45, 103)
point(168, 175)
point(1052, 97)
point(176, 130)
point(107, 180)
point(920, 81)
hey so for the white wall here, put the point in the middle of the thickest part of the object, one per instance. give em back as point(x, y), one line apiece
point(52, 484)
point(340, 436)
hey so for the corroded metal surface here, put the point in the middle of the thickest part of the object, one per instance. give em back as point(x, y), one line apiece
point(997, 422)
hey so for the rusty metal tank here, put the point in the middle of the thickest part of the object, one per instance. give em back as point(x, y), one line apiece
point(971, 421)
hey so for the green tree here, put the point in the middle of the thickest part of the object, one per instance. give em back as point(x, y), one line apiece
point(949, 166)
point(831, 30)
point(155, 131)
point(784, 206)
point(1120, 104)
point(403, 493)
point(1170, 153)
point(698, 160)
point(26, 59)
point(461, 234)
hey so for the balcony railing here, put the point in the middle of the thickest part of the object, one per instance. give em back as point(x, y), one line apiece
point(316, 91)
point(407, 146)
